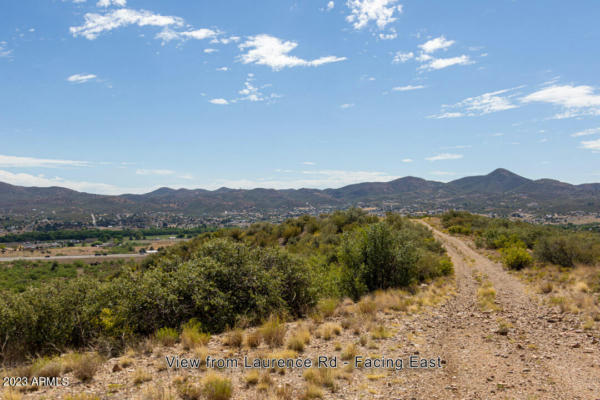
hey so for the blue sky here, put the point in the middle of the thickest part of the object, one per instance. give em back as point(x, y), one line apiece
point(113, 96)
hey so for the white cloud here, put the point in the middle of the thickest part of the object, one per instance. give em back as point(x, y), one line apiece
point(407, 160)
point(223, 69)
point(575, 100)
point(81, 78)
point(22, 179)
point(96, 24)
point(346, 106)
point(4, 52)
point(400, 57)
point(382, 12)
point(439, 43)
point(480, 105)
point(445, 156)
point(160, 172)
point(591, 145)
point(388, 36)
point(166, 35)
point(220, 102)
point(31, 162)
point(441, 63)
point(273, 52)
point(586, 132)
point(408, 88)
point(108, 3)
point(250, 92)
point(330, 5)
point(445, 115)
point(309, 163)
point(210, 51)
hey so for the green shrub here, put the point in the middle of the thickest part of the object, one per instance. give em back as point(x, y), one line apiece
point(516, 258)
point(377, 258)
point(166, 336)
point(458, 229)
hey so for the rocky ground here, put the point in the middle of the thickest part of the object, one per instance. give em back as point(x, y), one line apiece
point(520, 349)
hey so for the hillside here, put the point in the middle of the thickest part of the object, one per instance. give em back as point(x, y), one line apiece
point(500, 191)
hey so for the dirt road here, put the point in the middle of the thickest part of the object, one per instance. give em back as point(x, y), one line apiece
point(544, 355)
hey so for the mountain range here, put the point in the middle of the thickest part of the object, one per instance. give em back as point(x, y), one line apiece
point(499, 191)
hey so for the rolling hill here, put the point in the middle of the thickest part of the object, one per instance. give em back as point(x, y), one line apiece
point(500, 191)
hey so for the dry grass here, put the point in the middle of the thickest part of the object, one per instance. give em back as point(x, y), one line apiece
point(328, 330)
point(486, 297)
point(321, 377)
point(9, 394)
point(252, 377)
point(299, 339)
point(381, 332)
point(192, 337)
point(349, 352)
point(217, 387)
point(82, 396)
point(326, 307)
point(140, 376)
point(312, 391)
point(273, 331)
point(166, 336)
point(253, 339)
point(189, 391)
point(234, 338)
point(83, 365)
point(156, 393)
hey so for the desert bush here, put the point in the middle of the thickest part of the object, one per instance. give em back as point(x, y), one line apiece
point(253, 338)
point(377, 258)
point(83, 365)
point(193, 336)
point(458, 229)
point(216, 387)
point(234, 338)
point(516, 258)
point(273, 331)
point(167, 336)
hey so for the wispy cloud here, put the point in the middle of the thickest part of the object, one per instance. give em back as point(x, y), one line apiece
point(486, 103)
point(330, 5)
point(96, 24)
point(444, 157)
point(407, 160)
point(439, 43)
point(401, 57)
point(575, 100)
point(219, 102)
point(591, 145)
point(4, 51)
point(81, 78)
point(159, 172)
point(250, 92)
point(274, 52)
point(31, 162)
point(587, 132)
point(23, 179)
point(167, 35)
point(346, 106)
point(408, 88)
point(309, 163)
point(428, 61)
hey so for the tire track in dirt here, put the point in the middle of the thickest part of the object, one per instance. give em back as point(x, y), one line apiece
point(541, 357)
